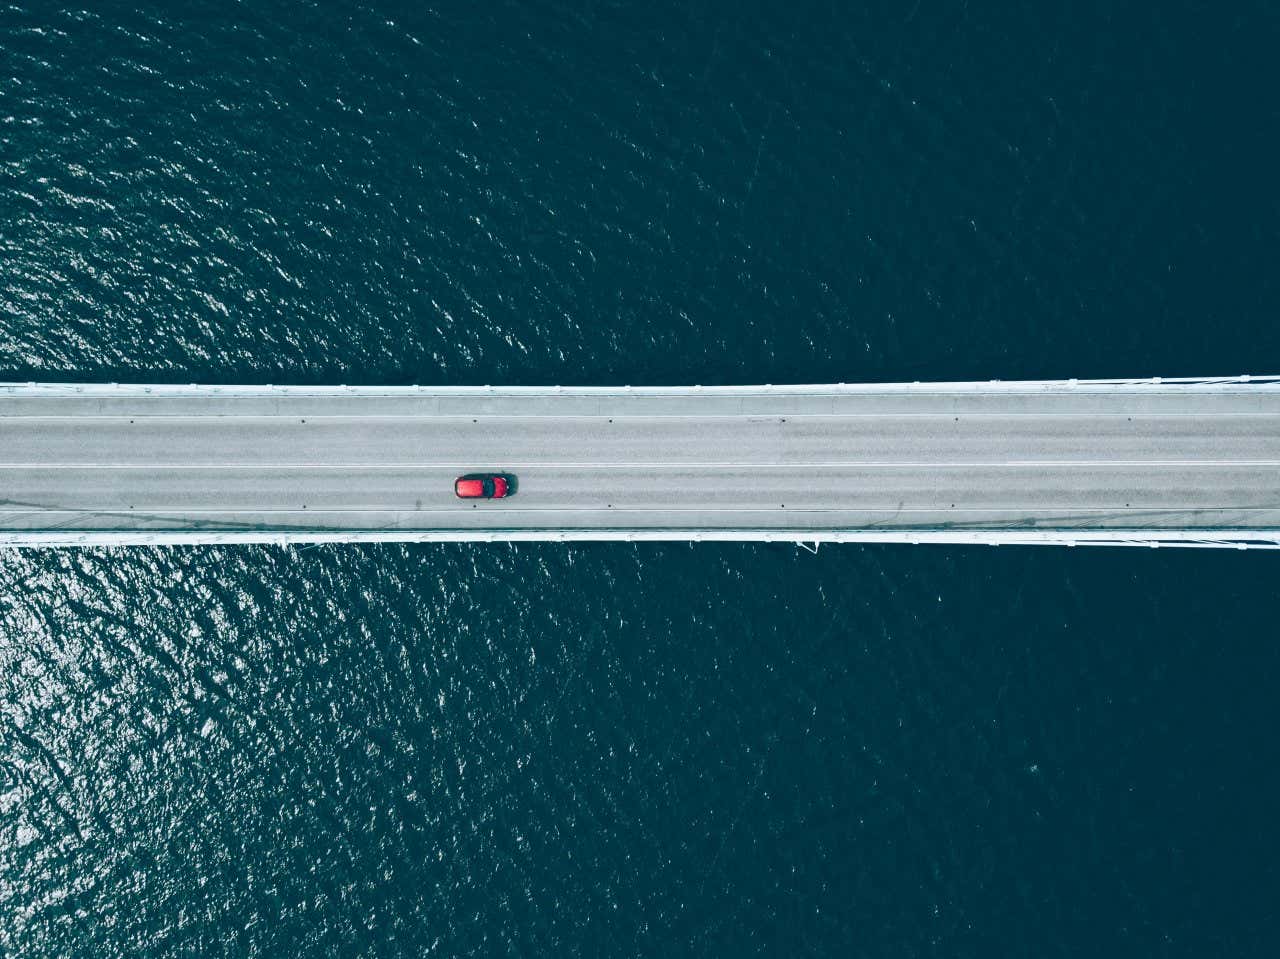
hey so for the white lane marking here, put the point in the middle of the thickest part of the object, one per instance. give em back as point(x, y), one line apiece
point(508, 467)
point(763, 418)
point(142, 511)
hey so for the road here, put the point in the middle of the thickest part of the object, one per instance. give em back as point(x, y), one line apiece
point(906, 460)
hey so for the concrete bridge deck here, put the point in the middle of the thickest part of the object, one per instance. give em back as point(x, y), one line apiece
point(1135, 461)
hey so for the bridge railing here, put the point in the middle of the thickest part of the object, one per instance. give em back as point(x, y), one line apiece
point(1154, 539)
point(1172, 384)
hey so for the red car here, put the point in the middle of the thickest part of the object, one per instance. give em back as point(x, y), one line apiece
point(484, 486)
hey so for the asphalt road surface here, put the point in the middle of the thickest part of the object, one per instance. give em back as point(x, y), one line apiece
point(1066, 458)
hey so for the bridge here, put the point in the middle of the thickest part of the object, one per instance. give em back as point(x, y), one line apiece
point(1151, 462)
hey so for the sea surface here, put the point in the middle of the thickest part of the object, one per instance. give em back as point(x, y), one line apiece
point(638, 750)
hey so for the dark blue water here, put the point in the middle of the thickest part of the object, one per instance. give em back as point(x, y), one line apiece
point(637, 750)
